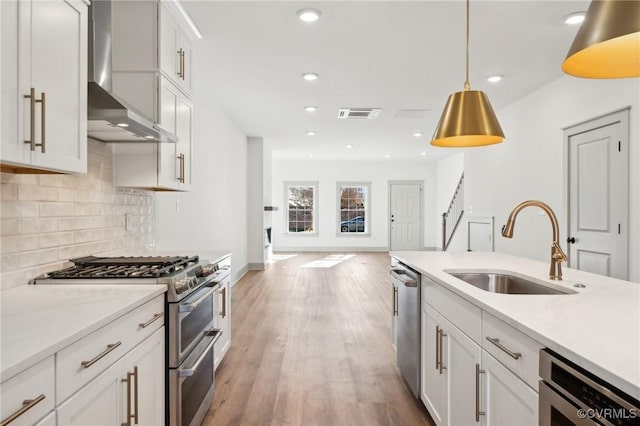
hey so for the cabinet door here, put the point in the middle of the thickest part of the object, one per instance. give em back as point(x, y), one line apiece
point(169, 51)
point(434, 382)
point(53, 61)
point(461, 357)
point(184, 129)
point(168, 163)
point(507, 400)
point(187, 62)
point(144, 367)
point(99, 403)
point(58, 69)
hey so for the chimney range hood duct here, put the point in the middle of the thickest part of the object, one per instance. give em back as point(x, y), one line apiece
point(109, 118)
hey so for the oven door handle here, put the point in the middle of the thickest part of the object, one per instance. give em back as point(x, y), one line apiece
point(186, 372)
point(188, 307)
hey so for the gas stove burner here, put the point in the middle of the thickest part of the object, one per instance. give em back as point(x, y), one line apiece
point(124, 267)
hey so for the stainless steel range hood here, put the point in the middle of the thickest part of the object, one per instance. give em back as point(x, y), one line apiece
point(110, 119)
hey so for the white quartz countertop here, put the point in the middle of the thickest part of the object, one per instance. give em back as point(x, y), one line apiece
point(36, 321)
point(597, 328)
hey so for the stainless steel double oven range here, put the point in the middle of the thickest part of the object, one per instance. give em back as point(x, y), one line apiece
point(190, 333)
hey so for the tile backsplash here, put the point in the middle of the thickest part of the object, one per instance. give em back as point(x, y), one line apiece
point(48, 219)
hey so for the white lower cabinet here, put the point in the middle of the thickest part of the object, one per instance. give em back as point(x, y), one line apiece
point(50, 420)
point(507, 400)
point(98, 403)
point(462, 384)
point(110, 398)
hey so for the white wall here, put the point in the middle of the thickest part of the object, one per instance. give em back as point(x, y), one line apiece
point(213, 215)
point(449, 170)
point(327, 174)
point(529, 164)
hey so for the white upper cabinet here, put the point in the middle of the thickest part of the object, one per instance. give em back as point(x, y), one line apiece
point(152, 72)
point(44, 86)
point(175, 50)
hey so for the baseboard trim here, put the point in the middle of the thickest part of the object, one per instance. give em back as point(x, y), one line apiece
point(259, 266)
point(241, 273)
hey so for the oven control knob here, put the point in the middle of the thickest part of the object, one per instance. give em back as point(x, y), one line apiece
point(206, 270)
point(181, 286)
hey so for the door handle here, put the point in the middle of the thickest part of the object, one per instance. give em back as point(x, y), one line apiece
point(571, 240)
point(437, 347)
point(478, 412)
point(43, 130)
point(442, 366)
point(27, 405)
point(32, 125)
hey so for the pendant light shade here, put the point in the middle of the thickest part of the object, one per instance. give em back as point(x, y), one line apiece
point(608, 42)
point(468, 118)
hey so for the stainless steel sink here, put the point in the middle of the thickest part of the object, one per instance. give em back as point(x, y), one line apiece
point(505, 283)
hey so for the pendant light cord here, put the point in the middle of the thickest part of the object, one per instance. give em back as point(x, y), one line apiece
point(467, 86)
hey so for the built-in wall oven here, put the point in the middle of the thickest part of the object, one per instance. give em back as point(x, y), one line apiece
point(572, 396)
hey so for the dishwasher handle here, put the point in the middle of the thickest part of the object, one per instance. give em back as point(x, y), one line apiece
point(401, 276)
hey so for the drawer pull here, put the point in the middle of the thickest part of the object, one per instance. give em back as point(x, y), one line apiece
point(478, 412)
point(155, 318)
point(496, 341)
point(27, 404)
point(110, 347)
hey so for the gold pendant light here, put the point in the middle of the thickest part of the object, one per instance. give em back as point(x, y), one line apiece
point(608, 42)
point(468, 118)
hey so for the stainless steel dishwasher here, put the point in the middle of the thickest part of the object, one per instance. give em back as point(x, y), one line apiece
point(407, 306)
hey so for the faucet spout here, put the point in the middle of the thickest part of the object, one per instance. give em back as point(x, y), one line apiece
point(557, 254)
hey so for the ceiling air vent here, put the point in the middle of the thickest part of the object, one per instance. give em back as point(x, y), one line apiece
point(359, 113)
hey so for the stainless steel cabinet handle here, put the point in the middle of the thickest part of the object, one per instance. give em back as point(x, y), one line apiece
point(184, 65)
point(181, 173)
point(155, 318)
point(110, 347)
point(395, 301)
point(129, 383)
point(32, 125)
point(496, 341)
point(478, 412)
point(27, 405)
point(223, 314)
point(393, 298)
point(442, 366)
point(437, 347)
point(180, 65)
point(43, 129)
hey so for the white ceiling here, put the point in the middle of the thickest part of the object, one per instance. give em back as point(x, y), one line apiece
point(391, 55)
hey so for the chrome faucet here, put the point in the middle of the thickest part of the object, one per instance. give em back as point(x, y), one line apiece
point(557, 255)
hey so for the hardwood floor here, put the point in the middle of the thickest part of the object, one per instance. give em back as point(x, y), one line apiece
point(311, 346)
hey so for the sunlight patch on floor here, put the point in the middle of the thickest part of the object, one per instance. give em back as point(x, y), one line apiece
point(329, 261)
point(278, 257)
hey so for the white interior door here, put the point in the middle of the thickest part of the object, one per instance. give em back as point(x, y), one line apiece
point(599, 195)
point(405, 219)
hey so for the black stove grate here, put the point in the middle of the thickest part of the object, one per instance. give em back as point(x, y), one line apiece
point(124, 267)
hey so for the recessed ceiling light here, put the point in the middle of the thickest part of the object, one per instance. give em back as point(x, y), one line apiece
point(423, 153)
point(494, 78)
point(348, 146)
point(310, 155)
point(149, 137)
point(418, 134)
point(310, 76)
point(308, 15)
point(122, 125)
point(310, 108)
point(574, 18)
point(311, 133)
point(387, 155)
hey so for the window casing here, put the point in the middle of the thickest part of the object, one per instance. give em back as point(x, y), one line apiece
point(353, 208)
point(301, 199)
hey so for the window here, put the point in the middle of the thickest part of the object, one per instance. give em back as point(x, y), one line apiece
point(301, 207)
point(353, 205)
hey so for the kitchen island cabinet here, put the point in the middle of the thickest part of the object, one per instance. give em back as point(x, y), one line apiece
point(44, 86)
point(568, 324)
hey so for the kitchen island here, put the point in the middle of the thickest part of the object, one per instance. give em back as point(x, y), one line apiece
point(596, 327)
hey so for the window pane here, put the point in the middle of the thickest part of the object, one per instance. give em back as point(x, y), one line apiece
point(352, 206)
point(300, 208)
